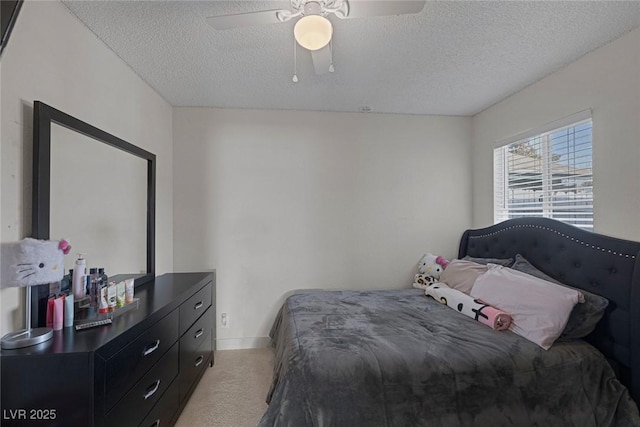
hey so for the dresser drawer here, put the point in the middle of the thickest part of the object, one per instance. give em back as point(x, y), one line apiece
point(191, 367)
point(129, 364)
point(136, 404)
point(197, 334)
point(166, 408)
point(193, 308)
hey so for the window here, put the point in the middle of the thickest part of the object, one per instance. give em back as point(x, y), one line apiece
point(547, 174)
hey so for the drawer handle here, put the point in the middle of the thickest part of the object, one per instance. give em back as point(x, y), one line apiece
point(199, 361)
point(199, 333)
point(151, 349)
point(152, 389)
point(198, 306)
point(156, 423)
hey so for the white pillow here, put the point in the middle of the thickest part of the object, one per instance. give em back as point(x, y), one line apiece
point(539, 309)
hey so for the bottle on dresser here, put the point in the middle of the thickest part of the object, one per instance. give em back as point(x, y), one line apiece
point(78, 279)
point(94, 287)
point(104, 279)
point(103, 306)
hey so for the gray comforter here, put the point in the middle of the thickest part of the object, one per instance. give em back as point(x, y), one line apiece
point(398, 358)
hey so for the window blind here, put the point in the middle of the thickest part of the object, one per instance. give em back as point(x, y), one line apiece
point(547, 175)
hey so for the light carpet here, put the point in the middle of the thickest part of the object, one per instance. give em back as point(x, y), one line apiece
point(233, 392)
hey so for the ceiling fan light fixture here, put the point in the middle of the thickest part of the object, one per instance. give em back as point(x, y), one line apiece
point(313, 32)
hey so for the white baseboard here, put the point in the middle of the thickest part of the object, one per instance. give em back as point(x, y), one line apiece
point(242, 343)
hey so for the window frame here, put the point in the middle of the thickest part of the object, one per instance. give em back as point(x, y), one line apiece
point(501, 169)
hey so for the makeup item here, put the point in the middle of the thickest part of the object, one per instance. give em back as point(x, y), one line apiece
point(128, 291)
point(111, 294)
point(68, 310)
point(120, 294)
point(58, 313)
point(50, 311)
point(104, 279)
point(104, 301)
point(94, 287)
point(93, 324)
point(78, 277)
point(87, 285)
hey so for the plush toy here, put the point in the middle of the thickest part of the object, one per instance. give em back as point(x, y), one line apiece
point(432, 265)
point(423, 281)
point(33, 262)
point(429, 267)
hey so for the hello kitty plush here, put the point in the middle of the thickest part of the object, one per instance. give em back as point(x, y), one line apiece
point(32, 262)
point(429, 267)
point(432, 265)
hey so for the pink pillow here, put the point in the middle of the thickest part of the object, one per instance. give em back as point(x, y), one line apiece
point(461, 274)
point(539, 309)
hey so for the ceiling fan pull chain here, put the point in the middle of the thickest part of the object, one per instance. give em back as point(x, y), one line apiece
point(295, 62)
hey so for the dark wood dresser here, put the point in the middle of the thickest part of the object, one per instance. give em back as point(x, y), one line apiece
point(138, 371)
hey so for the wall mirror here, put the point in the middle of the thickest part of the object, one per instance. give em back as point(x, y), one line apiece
point(95, 190)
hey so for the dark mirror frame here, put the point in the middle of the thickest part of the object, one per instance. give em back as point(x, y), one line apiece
point(9, 10)
point(43, 117)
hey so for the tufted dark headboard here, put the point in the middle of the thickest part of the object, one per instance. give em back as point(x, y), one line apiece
point(597, 263)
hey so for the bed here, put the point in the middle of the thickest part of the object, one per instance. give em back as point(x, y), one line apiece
point(398, 358)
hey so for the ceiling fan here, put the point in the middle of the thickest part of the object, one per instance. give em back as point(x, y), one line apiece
point(313, 31)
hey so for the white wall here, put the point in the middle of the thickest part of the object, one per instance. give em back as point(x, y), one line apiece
point(53, 58)
point(282, 200)
point(607, 81)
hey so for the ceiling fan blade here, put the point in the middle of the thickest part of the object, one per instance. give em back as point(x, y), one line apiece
point(239, 20)
point(321, 59)
point(364, 8)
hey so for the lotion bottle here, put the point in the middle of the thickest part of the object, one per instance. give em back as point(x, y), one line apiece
point(128, 291)
point(78, 277)
point(68, 310)
point(104, 300)
point(58, 313)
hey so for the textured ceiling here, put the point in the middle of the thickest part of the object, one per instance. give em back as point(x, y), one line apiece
point(454, 58)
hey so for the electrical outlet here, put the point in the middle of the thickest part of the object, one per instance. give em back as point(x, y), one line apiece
point(224, 320)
